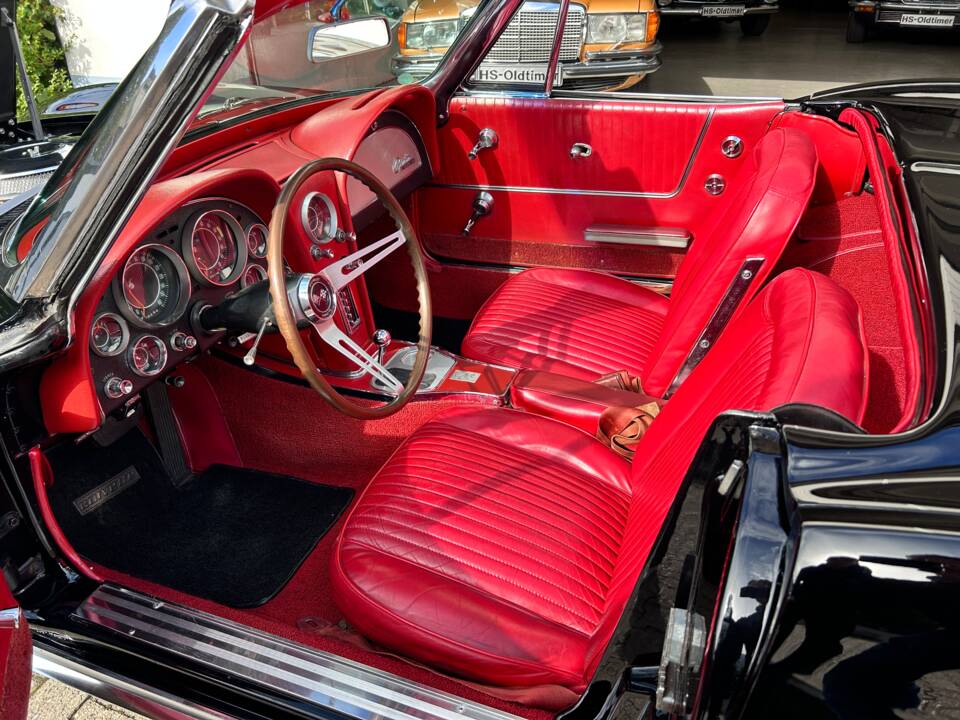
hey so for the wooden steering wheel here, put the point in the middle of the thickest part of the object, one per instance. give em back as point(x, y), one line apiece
point(312, 298)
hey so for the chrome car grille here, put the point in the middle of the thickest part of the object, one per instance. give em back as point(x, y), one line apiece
point(529, 36)
point(931, 3)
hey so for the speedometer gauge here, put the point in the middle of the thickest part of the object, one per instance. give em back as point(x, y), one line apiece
point(215, 248)
point(319, 217)
point(154, 288)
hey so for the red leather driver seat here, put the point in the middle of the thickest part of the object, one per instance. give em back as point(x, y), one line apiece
point(585, 324)
point(502, 547)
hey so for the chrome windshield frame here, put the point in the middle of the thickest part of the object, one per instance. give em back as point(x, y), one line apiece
point(91, 196)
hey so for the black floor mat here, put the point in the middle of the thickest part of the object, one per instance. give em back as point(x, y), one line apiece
point(231, 535)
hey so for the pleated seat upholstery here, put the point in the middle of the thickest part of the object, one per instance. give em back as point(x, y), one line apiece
point(586, 324)
point(502, 547)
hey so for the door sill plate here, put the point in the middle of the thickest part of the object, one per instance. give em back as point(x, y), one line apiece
point(281, 666)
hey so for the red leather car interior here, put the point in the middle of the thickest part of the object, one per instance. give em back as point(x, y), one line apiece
point(503, 547)
point(587, 324)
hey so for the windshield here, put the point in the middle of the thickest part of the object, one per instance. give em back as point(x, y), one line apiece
point(332, 46)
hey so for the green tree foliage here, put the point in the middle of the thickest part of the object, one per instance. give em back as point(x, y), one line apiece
point(43, 51)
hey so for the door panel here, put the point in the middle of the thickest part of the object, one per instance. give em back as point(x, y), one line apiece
point(648, 167)
point(15, 654)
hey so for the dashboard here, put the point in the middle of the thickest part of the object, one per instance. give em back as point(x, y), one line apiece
point(147, 321)
point(199, 236)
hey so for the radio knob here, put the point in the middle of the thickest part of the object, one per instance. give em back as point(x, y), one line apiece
point(181, 342)
point(116, 387)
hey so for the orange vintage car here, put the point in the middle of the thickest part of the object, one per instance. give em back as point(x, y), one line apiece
point(606, 43)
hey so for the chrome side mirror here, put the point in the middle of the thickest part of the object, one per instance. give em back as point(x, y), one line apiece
point(351, 37)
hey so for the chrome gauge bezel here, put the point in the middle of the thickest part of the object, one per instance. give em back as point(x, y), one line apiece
point(239, 242)
point(124, 334)
point(183, 280)
point(324, 238)
point(165, 356)
point(260, 270)
point(246, 239)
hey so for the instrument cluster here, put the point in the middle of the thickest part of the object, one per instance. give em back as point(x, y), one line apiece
point(148, 321)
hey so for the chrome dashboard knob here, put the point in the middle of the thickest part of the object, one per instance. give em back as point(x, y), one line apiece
point(116, 387)
point(181, 342)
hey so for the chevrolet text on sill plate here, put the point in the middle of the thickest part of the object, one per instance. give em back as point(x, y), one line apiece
point(722, 11)
point(533, 74)
point(932, 20)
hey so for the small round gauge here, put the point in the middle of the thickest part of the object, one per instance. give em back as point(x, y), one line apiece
point(109, 335)
point(252, 275)
point(213, 248)
point(147, 356)
point(319, 217)
point(154, 288)
point(257, 240)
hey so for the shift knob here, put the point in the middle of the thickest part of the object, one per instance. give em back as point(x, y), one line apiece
point(381, 338)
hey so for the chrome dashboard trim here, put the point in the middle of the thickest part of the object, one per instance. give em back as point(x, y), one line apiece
point(598, 193)
point(318, 679)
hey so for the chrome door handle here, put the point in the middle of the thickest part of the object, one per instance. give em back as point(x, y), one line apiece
point(580, 150)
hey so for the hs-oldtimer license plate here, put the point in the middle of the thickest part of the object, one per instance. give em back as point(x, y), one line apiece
point(521, 73)
point(927, 20)
point(722, 10)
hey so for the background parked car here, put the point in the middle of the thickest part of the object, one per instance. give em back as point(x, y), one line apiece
point(753, 15)
point(867, 14)
point(606, 43)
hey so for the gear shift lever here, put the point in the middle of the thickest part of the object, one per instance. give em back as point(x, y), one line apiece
point(381, 338)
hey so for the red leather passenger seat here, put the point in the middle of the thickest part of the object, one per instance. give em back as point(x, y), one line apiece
point(502, 547)
point(586, 324)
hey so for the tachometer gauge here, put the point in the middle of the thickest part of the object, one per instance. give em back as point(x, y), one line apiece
point(154, 288)
point(257, 240)
point(252, 275)
point(109, 335)
point(214, 248)
point(319, 217)
point(147, 356)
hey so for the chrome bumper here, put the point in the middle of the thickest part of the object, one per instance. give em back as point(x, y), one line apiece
point(610, 64)
point(694, 10)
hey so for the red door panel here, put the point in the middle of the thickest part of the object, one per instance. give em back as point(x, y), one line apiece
point(648, 167)
point(16, 651)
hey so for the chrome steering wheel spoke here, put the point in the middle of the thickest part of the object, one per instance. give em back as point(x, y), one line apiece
point(344, 271)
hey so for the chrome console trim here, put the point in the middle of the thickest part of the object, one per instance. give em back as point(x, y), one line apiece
point(598, 193)
point(285, 668)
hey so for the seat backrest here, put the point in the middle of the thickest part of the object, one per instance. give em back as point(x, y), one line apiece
point(800, 341)
point(774, 186)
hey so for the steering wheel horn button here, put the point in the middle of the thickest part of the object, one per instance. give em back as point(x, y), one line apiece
point(316, 298)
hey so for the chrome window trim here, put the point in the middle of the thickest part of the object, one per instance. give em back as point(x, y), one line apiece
point(95, 190)
point(598, 193)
